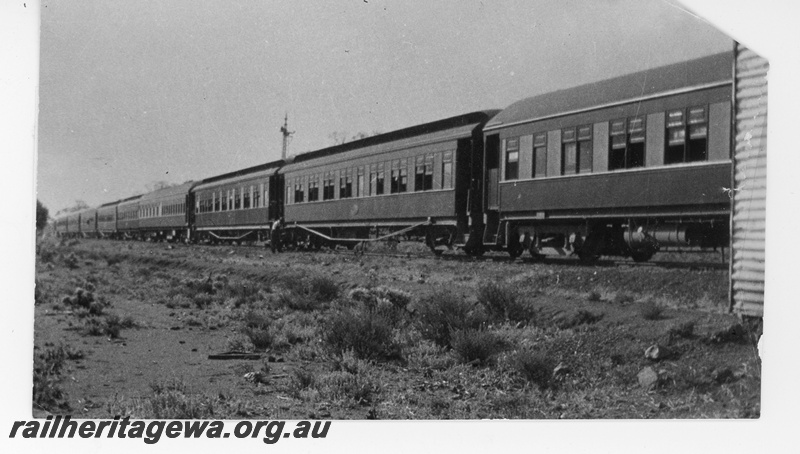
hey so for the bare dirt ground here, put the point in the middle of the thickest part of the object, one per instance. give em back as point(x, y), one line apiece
point(126, 328)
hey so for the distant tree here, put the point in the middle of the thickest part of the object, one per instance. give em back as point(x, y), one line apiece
point(160, 184)
point(78, 206)
point(41, 215)
point(340, 137)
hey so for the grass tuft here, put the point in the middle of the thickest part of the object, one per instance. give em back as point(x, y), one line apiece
point(567, 320)
point(651, 311)
point(477, 347)
point(535, 367)
point(257, 327)
point(442, 313)
point(367, 334)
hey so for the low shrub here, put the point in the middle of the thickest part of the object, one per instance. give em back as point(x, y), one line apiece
point(324, 288)
point(46, 254)
point(240, 343)
point(360, 388)
point(497, 299)
point(71, 261)
point(440, 314)
point(371, 296)
point(171, 400)
point(389, 302)
point(567, 320)
point(593, 296)
point(47, 366)
point(241, 294)
point(299, 301)
point(368, 334)
point(39, 294)
point(684, 330)
point(301, 379)
point(111, 326)
point(203, 300)
point(623, 298)
point(535, 367)
point(651, 311)
point(257, 327)
point(84, 303)
point(477, 347)
point(114, 259)
point(503, 303)
point(308, 294)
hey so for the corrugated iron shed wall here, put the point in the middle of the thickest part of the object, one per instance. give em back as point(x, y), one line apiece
point(750, 183)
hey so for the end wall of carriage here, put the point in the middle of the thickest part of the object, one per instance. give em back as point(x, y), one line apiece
point(748, 226)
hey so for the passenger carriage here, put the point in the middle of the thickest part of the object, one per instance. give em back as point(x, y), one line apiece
point(88, 223)
point(128, 217)
point(107, 220)
point(166, 214)
point(239, 206)
point(627, 166)
point(411, 183)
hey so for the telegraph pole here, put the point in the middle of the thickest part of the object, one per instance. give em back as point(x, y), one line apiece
point(286, 134)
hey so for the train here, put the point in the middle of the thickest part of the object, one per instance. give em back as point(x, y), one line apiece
point(627, 166)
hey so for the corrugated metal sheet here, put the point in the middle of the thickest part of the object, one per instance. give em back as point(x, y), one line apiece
point(750, 184)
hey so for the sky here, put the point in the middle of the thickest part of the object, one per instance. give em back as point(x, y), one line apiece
point(134, 93)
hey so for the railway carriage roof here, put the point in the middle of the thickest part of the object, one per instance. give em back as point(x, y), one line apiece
point(691, 73)
point(445, 129)
point(239, 175)
point(181, 189)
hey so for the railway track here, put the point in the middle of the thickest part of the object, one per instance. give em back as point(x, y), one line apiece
point(500, 257)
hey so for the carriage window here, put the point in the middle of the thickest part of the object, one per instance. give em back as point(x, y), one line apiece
point(627, 144)
point(447, 170)
point(246, 197)
point(299, 195)
point(379, 180)
point(569, 152)
point(403, 186)
point(360, 189)
point(257, 196)
point(512, 159)
point(399, 181)
point(427, 181)
point(539, 155)
point(423, 180)
point(585, 149)
point(327, 187)
point(419, 175)
point(678, 149)
point(313, 189)
point(698, 134)
point(346, 185)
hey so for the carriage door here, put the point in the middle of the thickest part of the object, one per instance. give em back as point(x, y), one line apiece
point(492, 180)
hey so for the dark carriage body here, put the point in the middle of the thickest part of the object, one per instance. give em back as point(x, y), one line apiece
point(382, 184)
point(625, 166)
point(128, 217)
point(238, 206)
point(166, 214)
point(107, 220)
point(89, 222)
